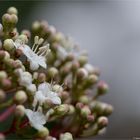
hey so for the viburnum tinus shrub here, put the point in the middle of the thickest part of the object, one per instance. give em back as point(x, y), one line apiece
point(46, 84)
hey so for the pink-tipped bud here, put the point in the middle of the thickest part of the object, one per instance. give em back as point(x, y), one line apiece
point(102, 88)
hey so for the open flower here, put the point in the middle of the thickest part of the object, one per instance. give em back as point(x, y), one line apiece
point(45, 93)
point(36, 119)
point(36, 55)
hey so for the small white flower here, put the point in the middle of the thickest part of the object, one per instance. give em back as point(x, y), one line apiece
point(25, 78)
point(45, 93)
point(36, 119)
point(35, 55)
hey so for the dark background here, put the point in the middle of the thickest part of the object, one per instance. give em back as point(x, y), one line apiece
point(110, 31)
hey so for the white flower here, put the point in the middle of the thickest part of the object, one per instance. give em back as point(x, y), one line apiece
point(62, 53)
point(25, 78)
point(45, 93)
point(36, 56)
point(36, 119)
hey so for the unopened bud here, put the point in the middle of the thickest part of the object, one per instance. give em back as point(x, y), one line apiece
point(102, 121)
point(20, 110)
point(43, 132)
point(85, 111)
point(7, 56)
point(79, 105)
point(71, 109)
point(82, 73)
point(2, 137)
point(8, 44)
point(20, 97)
point(57, 88)
point(6, 83)
point(27, 33)
point(52, 72)
point(82, 60)
point(14, 19)
point(23, 38)
point(31, 88)
point(12, 10)
point(66, 136)
point(62, 109)
point(3, 75)
point(84, 99)
point(102, 88)
point(36, 26)
point(42, 77)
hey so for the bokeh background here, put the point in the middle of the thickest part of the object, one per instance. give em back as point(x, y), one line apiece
point(110, 31)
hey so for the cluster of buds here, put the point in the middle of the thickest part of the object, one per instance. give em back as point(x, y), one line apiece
point(49, 87)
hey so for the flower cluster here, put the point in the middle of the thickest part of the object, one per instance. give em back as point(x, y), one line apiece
point(50, 87)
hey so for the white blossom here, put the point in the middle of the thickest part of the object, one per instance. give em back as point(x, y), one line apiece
point(35, 55)
point(36, 119)
point(45, 93)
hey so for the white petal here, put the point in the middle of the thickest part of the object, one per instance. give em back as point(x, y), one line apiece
point(44, 87)
point(54, 98)
point(37, 126)
point(33, 65)
point(29, 113)
point(42, 61)
point(39, 96)
point(39, 118)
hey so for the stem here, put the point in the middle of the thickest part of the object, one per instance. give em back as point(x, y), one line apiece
point(7, 113)
point(13, 90)
point(6, 104)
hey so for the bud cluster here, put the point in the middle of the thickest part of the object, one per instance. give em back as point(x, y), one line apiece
point(50, 87)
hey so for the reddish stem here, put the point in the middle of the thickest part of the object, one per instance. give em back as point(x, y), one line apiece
point(7, 113)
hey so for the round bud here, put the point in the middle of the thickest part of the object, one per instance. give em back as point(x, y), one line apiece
point(71, 109)
point(66, 136)
point(23, 38)
point(27, 33)
point(52, 72)
point(7, 56)
point(20, 97)
point(31, 88)
point(79, 105)
point(102, 121)
point(2, 137)
point(85, 111)
point(42, 77)
point(82, 73)
point(90, 118)
point(62, 109)
point(84, 99)
point(75, 65)
point(2, 95)
point(6, 18)
point(6, 83)
point(36, 26)
point(20, 110)
point(43, 132)
point(102, 88)
point(83, 60)
point(89, 68)
point(92, 79)
point(3, 75)
point(14, 19)
point(8, 44)
point(2, 54)
point(57, 88)
point(12, 10)
point(64, 95)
